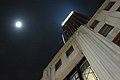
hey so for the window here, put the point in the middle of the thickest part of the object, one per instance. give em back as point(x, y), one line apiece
point(87, 72)
point(69, 51)
point(75, 76)
point(118, 9)
point(94, 24)
point(109, 6)
point(82, 71)
point(58, 64)
point(117, 40)
point(105, 30)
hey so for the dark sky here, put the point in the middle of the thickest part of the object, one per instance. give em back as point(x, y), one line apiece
point(25, 52)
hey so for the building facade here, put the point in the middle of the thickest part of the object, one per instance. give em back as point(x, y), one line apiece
point(93, 51)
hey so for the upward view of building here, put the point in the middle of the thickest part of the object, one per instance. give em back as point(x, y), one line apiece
point(92, 52)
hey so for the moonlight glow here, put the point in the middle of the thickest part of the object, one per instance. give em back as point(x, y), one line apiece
point(18, 24)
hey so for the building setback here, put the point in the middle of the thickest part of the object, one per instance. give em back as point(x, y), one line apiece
point(92, 52)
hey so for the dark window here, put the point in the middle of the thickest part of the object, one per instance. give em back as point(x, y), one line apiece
point(94, 24)
point(84, 66)
point(105, 30)
point(69, 51)
point(117, 40)
point(109, 6)
point(58, 64)
point(118, 9)
point(75, 76)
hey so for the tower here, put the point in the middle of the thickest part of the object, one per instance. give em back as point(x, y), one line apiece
point(73, 21)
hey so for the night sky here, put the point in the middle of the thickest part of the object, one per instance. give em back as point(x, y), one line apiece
point(25, 52)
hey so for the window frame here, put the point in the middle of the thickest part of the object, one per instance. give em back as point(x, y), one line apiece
point(105, 30)
point(86, 66)
point(69, 51)
point(75, 75)
point(58, 64)
point(116, 40)
point(94, 24)
point(109, 6)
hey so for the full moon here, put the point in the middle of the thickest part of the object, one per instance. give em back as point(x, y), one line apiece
point(18, 24)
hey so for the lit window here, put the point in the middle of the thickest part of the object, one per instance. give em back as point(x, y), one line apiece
point(108, 7)
point(105, 30)
point(82, 71)
point(118, 9)
point(117, 40)
point(58, 64)
point(94, 24)
point(87, 72)
point(69, 51)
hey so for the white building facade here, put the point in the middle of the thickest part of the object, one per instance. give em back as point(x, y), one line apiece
point(94, 48)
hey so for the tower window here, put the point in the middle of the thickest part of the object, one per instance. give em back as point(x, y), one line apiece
point(105, 30)
point(69, 51)
point(108, 7)
point(94, 24)
point(58, 64)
